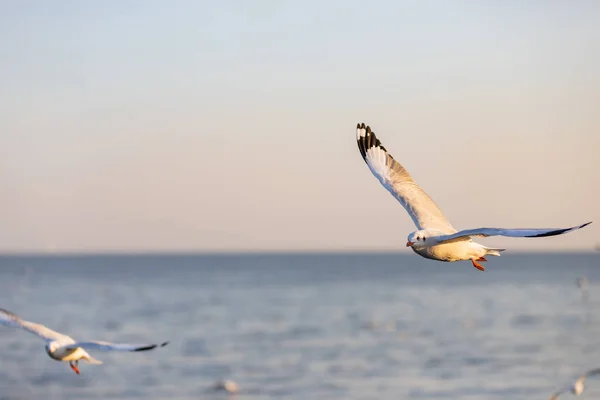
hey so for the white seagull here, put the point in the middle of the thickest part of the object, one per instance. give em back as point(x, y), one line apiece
point(577, 387)
point(63, 348)
point(435, 238)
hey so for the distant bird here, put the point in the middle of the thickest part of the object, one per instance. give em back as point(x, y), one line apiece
point(435, 238)
point(582, 283)
point(226, 386)
point(63, 348)
point(577, 387)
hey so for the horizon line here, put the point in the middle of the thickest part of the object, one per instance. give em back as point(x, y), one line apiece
point(164, 252)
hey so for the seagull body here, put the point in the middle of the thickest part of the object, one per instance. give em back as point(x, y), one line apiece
point(435, 238)
point(64, 348)
point(577, 387)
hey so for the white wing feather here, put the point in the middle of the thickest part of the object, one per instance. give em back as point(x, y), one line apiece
point(12, 320)
point(107, 346)
point(394, 177)
point(484, 232)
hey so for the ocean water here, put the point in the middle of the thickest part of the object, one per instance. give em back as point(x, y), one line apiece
point(305, 326)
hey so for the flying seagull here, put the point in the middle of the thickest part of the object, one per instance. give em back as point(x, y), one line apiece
point(577, 387)
point(63, 348)
point(225, 385)
point(435, 238)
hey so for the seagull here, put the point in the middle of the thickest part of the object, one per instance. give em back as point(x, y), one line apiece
point(582, 283)
point(226, 385)
point(577, 387)
point(435, 238)
point(64, 348)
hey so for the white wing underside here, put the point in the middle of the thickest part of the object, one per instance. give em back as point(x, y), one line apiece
point(527, 233)
point(9, 319)
point(107, 346)
point(394, 177)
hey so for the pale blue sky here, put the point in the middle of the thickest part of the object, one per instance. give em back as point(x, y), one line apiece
point(186, 125)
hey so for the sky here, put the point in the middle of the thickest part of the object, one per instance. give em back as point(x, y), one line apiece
point(230, 125)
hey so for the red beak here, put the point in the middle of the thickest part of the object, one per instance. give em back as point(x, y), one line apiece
point(409, 243)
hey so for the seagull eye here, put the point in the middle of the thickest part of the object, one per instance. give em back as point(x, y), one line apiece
point(418, 238)
point(424, 238)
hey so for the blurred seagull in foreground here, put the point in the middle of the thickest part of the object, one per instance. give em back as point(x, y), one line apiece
point(63, 348)
point(435, 238)
point(226, 385)
point(577, 387)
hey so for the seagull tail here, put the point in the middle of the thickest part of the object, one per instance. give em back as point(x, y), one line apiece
point(493, 252)
point(91, 360)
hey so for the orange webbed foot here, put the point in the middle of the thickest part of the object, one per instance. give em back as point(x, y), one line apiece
point(477, 265)
point(74, 367)
point(481, 259)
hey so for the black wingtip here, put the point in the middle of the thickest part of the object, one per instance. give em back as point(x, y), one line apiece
point(368, 140)
point(152, 346)
point(10, 314)
point(560, 231)
point(145, 348)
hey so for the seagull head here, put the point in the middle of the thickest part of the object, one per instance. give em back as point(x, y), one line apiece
point(418, 239)
point(51, 347)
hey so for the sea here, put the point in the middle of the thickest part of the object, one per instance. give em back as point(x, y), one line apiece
point(305, 326)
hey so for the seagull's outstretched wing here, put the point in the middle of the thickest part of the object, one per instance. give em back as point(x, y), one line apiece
point(592, 372)
point(107, 346)
point(14, 321)
point(484, 232)
point(423, 211)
